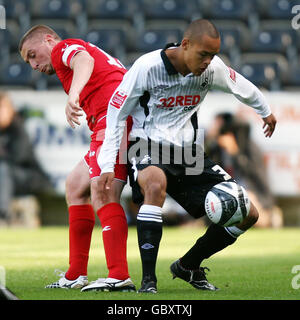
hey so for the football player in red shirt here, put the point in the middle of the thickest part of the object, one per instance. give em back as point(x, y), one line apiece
point(89, 76)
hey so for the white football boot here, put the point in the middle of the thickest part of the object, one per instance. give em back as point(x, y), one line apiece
point(64, 283)
point(110, 284)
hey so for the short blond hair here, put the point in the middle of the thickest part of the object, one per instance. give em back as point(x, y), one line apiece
point(37, 30)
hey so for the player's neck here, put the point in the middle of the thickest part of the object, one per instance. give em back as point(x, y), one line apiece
point(175, 57)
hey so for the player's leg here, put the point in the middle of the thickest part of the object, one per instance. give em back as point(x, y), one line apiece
point(78, 185)
point(114, 234)
point(152, 182)
point(81, 219)
point(81, 224)
point(249, 220)
point(114, 227)
point(216, 237)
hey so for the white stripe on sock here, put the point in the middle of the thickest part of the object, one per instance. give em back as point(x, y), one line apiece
point(150, 213)
point(149, 219)
point(148, 208)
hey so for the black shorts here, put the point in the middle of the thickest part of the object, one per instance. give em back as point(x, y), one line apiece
point(187, 190)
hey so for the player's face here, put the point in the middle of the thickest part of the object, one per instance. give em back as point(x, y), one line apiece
point(198, 54)
point(37, 52)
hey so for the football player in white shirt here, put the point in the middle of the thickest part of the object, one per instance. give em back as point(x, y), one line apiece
point(163, 92)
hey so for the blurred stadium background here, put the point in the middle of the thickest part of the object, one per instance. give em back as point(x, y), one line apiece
point(259, 40)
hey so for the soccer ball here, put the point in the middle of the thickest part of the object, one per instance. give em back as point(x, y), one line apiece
point(227, 204)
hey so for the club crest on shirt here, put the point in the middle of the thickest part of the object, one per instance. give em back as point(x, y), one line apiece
point(118, 99)
point(64, 49)
point(232, 74)
point(205, 83)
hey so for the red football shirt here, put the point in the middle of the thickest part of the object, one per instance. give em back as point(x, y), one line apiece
point(107, 74)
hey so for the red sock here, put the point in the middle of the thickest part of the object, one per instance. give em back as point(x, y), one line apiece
point(81, 224)
point(114, 234)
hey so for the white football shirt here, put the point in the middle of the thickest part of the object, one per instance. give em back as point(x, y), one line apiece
point(164, 104)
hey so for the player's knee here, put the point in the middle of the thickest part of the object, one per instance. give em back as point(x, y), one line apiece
point(155, 189)
point(96, 197)
point(76, 192)
point(112, 196)
point(250, 220)
point(69, 188)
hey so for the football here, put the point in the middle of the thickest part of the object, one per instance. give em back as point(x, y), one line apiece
point(227, 204)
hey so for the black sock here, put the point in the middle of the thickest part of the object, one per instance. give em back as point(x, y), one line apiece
point(149, 235)
point(215, 239)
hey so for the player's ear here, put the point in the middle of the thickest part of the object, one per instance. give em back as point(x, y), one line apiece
point(185, 43)
point(48, 38)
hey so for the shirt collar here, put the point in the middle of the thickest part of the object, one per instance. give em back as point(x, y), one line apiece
point(168, 65)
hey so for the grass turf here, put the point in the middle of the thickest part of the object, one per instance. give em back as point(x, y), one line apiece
point(257, 267)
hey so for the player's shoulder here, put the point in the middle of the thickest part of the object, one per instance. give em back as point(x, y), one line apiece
point(218, 68)
point(217, 62)
point(71, 41)
point(64, 44)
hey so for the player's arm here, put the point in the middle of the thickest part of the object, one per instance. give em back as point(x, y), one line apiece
point(82, 64)
point(230, 81)
point(122, 103)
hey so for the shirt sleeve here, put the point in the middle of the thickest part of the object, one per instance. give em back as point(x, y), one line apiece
point(69, 52)
point(230, 81)
point(123, 101)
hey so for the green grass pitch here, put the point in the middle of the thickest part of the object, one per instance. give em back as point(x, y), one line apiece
point(257, 267)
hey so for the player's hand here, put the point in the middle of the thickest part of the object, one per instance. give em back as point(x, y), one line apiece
point(269, 125)
point(104, 185)
point(73, 110)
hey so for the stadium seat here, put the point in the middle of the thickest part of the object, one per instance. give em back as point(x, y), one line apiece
point(169, 9)
point(13, 34)
point(51, 9)
point(130, 58)
point(292, 78)
point(18, 11)
point(113, 36)
point(234, 34)
point(264, 70)
point(106, 39)
point(108, 24)
point(158, 33)
point(157, 38)
point(56, 9)
point(16, 74)
point(5, 42)
point(261, 74)
point(273, 37)
point(113, 41)
point(279, 9)
point(15, 8)
point(112, 9)
point(64, 28)
point(229, 9)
